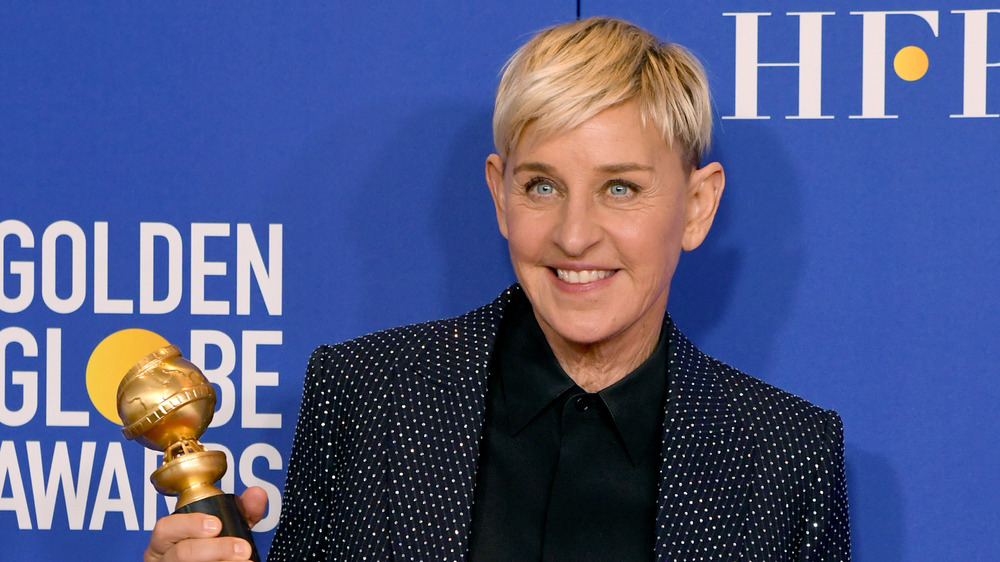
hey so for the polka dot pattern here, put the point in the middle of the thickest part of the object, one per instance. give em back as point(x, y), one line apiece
point(384, 457)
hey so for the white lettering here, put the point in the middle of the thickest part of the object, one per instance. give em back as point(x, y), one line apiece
point(60, 475)
point(248, 258)
point(148, 233)
point(810, 65)
point(975, 63)
point(28, 380)
point(24, 271)
point(103, 304)
point(873, 60)
point(78, 278)
point(63, 269)
point(114, 472)
point(54, 414)
point(252, 378)
point(18, 500)
point(201, 268)
point(273, 457)
point(219, 376)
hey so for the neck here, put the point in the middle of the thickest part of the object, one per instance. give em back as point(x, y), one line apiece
point(598, 365)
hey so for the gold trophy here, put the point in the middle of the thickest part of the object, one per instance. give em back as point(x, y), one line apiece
point(166, 403)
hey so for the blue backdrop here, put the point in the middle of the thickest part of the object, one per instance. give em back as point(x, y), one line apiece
point(250, 180)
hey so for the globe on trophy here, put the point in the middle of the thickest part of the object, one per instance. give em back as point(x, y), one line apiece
point(166, 403)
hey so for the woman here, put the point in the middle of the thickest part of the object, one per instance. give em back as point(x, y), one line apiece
point(569, 418)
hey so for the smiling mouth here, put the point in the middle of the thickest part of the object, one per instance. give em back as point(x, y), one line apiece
point(583, 276)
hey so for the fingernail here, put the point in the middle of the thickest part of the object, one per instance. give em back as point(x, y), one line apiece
point(212, 524)
point(241, 548)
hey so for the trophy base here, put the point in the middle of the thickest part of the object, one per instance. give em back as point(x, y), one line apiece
point(224, 507)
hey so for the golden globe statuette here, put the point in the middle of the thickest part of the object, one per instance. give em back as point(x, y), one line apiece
point(166, 403)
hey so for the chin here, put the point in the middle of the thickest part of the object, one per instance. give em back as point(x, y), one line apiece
point(582, 331)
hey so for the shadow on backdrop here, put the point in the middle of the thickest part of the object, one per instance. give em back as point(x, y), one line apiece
point(876, 507)
point(428, 224)
point(741, 283)
point(476, 259)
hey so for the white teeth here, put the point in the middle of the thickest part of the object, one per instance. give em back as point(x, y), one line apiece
point(584, 276)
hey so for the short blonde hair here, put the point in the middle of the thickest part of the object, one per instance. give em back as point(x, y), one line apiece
point(569, 73)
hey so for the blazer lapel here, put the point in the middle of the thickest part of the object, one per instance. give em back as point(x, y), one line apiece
point(439, 406)
point(705, 478)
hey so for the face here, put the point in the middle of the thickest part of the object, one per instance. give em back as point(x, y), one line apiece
point(596, 218)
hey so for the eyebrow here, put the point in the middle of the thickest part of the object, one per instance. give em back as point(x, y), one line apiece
point(608, 169)
point(533, 167)
point(625, 167)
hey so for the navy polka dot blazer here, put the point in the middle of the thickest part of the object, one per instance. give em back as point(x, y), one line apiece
point(384, 458)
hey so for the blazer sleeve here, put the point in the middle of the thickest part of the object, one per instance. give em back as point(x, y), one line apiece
point(827, 536)
point(311, 482)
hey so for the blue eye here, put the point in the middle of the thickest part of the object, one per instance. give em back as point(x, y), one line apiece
point(618, 189)
point(541, 187)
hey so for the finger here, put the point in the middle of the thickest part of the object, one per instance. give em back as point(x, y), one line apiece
point(253, 504)
point(174, 528)
point(208, 550)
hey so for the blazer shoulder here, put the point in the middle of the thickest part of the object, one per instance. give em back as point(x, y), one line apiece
point(800, 453)
point(442, 340)
point(778, 413)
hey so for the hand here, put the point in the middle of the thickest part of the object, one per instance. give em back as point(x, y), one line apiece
point(193, 537)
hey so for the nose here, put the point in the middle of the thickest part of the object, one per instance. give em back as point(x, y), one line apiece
point(578, 229)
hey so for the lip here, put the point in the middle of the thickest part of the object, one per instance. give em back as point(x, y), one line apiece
point(568, 285)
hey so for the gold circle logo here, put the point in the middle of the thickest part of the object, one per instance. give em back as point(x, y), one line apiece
point(109, 362)
point(910, 63)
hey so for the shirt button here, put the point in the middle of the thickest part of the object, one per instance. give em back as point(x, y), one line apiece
point(585, 402)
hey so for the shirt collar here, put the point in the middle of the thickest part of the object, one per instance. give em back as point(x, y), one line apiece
point(532, 379)
point(636, 401)
point(531, 376)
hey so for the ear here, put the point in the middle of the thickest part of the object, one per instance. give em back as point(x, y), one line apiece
point(494, 178)
point(705, 187)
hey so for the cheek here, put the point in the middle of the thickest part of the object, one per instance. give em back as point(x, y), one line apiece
point(525, 236)
point(650, 229)
point(652, 243)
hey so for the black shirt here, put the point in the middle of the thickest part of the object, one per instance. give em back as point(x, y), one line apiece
point(565, 474)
